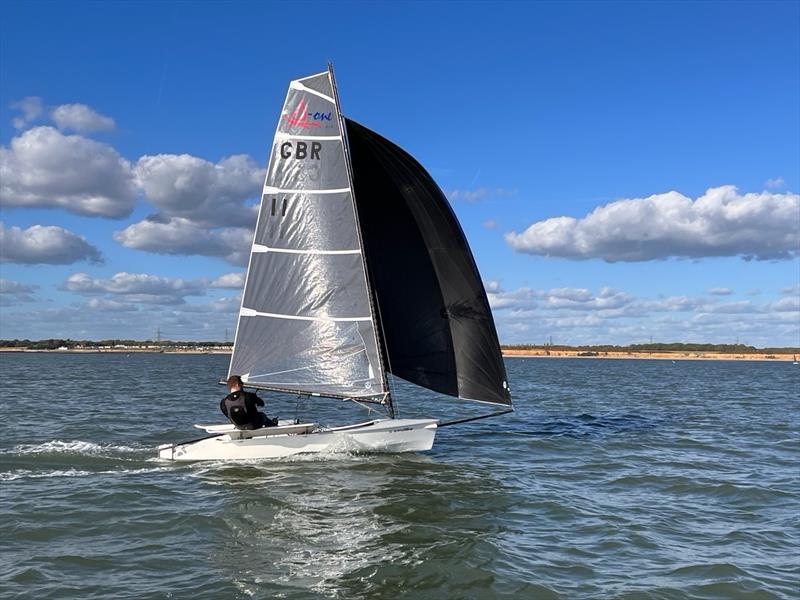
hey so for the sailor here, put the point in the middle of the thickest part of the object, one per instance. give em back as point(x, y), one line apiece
point(240, 407)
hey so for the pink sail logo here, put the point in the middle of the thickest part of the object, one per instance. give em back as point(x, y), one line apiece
point(307, 120)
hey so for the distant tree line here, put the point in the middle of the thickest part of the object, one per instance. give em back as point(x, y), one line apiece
point(54, 344)
point(660, 347)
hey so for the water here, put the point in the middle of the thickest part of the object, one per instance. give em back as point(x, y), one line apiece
point(614, 479)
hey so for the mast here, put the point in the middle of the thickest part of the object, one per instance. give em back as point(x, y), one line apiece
point(349, 165)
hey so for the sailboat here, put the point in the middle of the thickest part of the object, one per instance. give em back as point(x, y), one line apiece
point(358, 270)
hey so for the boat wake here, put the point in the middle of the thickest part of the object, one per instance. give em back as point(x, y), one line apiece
point(77, 447)
point(30, 474)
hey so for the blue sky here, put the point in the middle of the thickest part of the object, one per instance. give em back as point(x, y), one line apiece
point(523, 113)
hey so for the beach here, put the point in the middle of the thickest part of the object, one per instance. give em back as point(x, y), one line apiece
point(574, 353)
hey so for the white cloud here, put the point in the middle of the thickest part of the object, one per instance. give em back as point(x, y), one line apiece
point(202, 206)
point(792, 290)
point(133, 283)
point(581, 316)
point(40, 244)
point(14, 292)
point(720, 223)
point(233, 281)
point(110, 305)
point(477, 195)
point(136, 287)
point(182, 236)
point(31, 109)
point(42, 167)
point(117, 316)
point(210, 194)
point(489, 224)
point(577, 299)
point(720, 291)
point(81, 118)
point(789, 304)
point(775, 184)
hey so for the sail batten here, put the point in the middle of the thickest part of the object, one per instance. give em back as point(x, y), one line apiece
point(249, 312)
point(275, 190)
point(262, 248)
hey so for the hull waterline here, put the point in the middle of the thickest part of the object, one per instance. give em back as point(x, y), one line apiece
point(385, 435)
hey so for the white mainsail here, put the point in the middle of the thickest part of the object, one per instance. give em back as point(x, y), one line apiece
point(306, 322)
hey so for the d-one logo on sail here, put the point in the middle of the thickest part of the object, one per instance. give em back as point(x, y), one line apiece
point(308, 120)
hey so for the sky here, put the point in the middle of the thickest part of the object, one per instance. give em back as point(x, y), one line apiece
point(624, 172)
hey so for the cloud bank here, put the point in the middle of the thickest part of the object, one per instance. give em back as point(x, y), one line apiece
point(14, 292)
point(722, 222)
point(136, 287)
point(43, 168)
point(582, 316)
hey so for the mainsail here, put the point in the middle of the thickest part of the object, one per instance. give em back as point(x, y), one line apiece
point(306, 323)
point(437, 327)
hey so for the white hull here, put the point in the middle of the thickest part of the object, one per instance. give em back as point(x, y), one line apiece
point(383, 435)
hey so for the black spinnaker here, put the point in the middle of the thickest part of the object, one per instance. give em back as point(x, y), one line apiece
point(438, 330)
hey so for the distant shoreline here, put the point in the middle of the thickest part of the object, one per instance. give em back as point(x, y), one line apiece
point(645, 355)
point(507, 353)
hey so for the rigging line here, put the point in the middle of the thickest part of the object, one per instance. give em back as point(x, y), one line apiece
point(297, 409)
point(468, 419)
point(361, 404)
point(349, 383)
point(251, 377)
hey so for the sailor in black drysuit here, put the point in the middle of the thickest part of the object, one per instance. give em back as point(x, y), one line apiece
point(240, 407)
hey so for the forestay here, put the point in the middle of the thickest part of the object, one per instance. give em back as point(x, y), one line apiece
point(306, 322)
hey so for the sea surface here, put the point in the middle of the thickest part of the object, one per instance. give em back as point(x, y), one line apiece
point(613, 479)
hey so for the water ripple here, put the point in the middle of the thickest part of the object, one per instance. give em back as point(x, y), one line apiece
point(614, 479)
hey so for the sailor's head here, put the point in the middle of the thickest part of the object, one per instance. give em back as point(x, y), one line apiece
point(234, 383)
